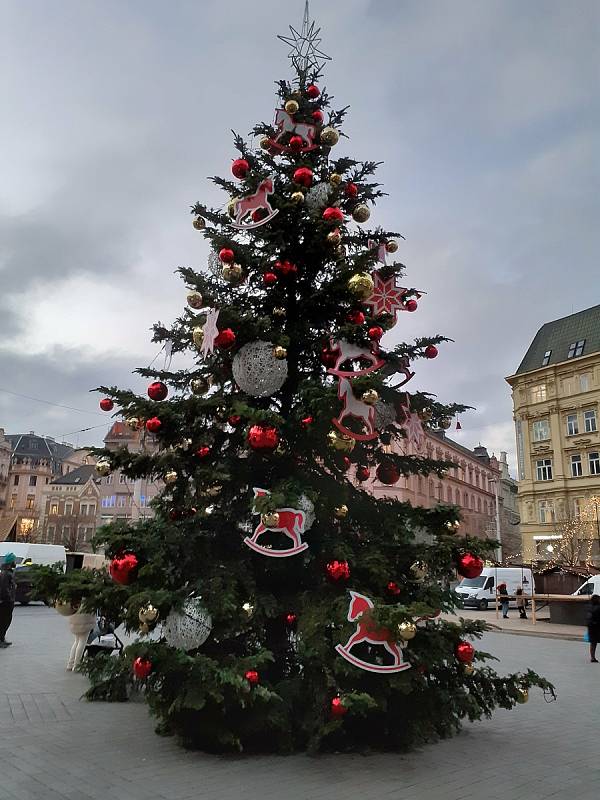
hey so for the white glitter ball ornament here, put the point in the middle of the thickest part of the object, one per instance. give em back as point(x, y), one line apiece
point(256, 370)
point(189, 628)
point(317, 197)
point(305, 504)
point(385, 414)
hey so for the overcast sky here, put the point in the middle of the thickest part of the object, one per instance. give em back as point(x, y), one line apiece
point(485, 113)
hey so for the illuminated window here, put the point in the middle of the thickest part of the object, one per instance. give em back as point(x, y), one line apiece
point(30, 501)
point(54, 508)
point(13, 501)
point(538, 393)
point(26, 526)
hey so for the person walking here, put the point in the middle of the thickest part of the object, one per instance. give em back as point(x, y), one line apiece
point(521, 602)
point(8, 592)
point(503, 596)
point(81, 624)
point(593, 623)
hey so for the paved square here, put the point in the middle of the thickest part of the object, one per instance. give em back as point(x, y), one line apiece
point(54, 746)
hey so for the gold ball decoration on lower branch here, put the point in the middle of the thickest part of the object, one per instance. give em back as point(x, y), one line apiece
point(103, 466)
point(265, 143)
point(231, 206)
point(445, 423)
point(361, 285)
point(270, 519)
point(425, 414)
point(199, 223)
point(335, 179)
point(341, 512)
point(522, 695)
point(200, 386)
point(232, 273)
point(148, 614)
point(419, 570)
point(329, 136)
point(279, 311)
point(361, 213)
point(248, 609)
point(170, 476)
point(339, 441)
point(279, 352)
point(291, 106)
point(407, 631)
point(198, 336)
point(297, 197)
point(133, 423)
point(194, 299)
point(468, 669)
point(370, 397)
point(391, 246)
point(334, 237)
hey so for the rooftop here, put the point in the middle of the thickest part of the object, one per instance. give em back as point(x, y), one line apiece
point(34, 446)
point(78, 476)
point(563, 339)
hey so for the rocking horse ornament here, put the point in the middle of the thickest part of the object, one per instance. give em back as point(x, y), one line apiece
point(350, 352)
point(353, 407)
point(291, 522)
point(254, 202)
point(359, 611)
point(286, 125)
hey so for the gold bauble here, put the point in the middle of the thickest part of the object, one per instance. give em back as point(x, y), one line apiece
point(297, 197)
point(148, 614)
point(232, 272)
point(194, 299)
point(341, 512)
point(469, 669)
point(425, 415)
point(198, 336)
point(248, 609)
point(361, 213)
point(199, 223)
point(103, 466)
point(407, 631)
point(522, 696)
point(335, 179)
point(265, 143)
point(419, 570)
point(329, 136)
point(370, 397)
point(270, 519)
point(391, 246)
point(280, 352)
point(334, 237)
point(281, 449)
point(361, 285)
point(279, 311)
point(144, 628)
point(133, 423)
point(445, 423)
point(170, 476)
point(231, 207)
point(340, 251)
point(200, 386)
point(291, 106)
point(340, 441)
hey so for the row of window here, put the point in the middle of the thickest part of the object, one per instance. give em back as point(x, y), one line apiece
point(547, 513)
point(109, 479)
point(85, 509)
point(575, 350)
point(544, 471)
point(541, 427)
point(121, 501)
point(569, 386)
point(85, 532)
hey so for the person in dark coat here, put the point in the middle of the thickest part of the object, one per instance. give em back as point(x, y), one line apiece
point(8, 592)
point(593, 623)
point(503, 597)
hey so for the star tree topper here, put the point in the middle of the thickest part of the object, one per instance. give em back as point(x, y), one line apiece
point(305, 54)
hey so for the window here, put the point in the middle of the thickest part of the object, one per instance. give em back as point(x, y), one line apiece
point(584, 382)
point(572, 425)
point(465, 500)
point(567, 386)
point(66, 531)
point(109, 480)
point(541, 430)
point(33, 480)
point(594, 459)
point(589, 421)
point(31, 500)
point(68, 509)
point(92, 510)
point(108, 502)
point(54, 508)
point(122, 499)
point(538, 393)
point(546, 511)
point(16, 480)
point(479, 504)
point(544, 469)
point(83, 509)
point(578, 503)
point(576, 466)
point(546, 358)
point(576, 349)
point(51, 532)
point(477, 480)
point(13, 501)
point(122, 478)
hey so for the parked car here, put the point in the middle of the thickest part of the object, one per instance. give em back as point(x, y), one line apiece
point(481, 591)
point(591, 586)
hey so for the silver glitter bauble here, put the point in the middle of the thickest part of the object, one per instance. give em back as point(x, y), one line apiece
point(385, 414)
point(189, 628)
point(256, 370)
point(317, 197)
point(305, 504)
point(215, 265)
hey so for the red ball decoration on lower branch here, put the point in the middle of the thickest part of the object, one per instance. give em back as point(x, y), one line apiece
point(225, 339)
point(411, 305)
point(363, 473)
point(465, 652)
point(123, 568)
point(333, 214)
point(226, 255)
point(203, 451)
point(269, 278)
point(157, 391)
point(303, 176)
point(317, 116)
point(296, 143)
point(337, 708)
point(313, 91)
point(153, 425)
point(430, 351)
point(356, 317)
point(106, 404)
point(337, 571)
point(469, 566)
point(387, 473)
point(375, 333)
point(239, 168)
point(263, 438)
point(329, 357)
point(252, 677)
point(393, 589)
point(142, 667)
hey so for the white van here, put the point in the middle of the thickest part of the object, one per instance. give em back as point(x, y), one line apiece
point(45, 554)
point(480, 592)
point(591, 586)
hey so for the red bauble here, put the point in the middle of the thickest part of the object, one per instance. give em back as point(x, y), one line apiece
point(338, 709)
point(363, 473)
point(356, 317)
point(234, 420)
point(333, 214)
point(259, 214)
point(252, 677)
point(387, 473)
point(346, 464)
point(303, 176)
point(329, 357)
point(313, 91)
point(226, 338)
point(240, 168)
point(263, 437)
point(337, 570)
point(203, 452)
point(307, 421)
point(106, 404)
point(226, 255)
point(351, 190)
point(393, 588)
point(175, 514)
point(286, 268)
point(431, 351)
point(296, 143)
point(469, 566)
point(291, 619)
point(153, 424)
point(465, 652)
point(375, 333)
point(142, 667)
point(411, 305)
point(317, 115)
point(269, 278)
point(157, 391)
point(123, 568)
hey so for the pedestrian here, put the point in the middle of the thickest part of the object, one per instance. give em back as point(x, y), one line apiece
point(8, 592)
point(521, 602)
point(593, 623)
point(81, 624)
point(503, 595)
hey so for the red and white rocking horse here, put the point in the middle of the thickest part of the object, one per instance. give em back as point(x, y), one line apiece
point(353, 407)
point(291, 522)
point(347, 351)
point(254, 202)
point(367, 631)
point(285, 124)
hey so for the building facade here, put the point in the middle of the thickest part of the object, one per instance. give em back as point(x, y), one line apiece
point(5, 453)
point(510, 516)
point(70, 506)
point(556, 401)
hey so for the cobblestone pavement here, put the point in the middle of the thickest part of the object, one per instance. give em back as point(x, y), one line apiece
point(54, 746)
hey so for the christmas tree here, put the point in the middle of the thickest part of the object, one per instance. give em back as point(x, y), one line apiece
point(277, 604)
